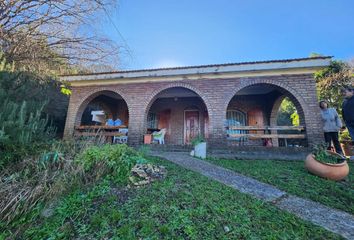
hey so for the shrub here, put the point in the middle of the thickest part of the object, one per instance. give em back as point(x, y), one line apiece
point(22, 129)
point(344, 136)
point(199, 139)
point(322, 155)
point(30, 105)
point(114, 161)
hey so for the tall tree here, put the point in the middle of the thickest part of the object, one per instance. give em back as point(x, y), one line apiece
point(330, 81)
point(46, 35)
point(287, 115)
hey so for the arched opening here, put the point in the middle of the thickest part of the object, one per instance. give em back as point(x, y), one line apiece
point(285, 113)
point(181, 112)
point(104, 111)
point(252, 117)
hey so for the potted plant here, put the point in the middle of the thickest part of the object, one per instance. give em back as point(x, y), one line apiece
point(326, 164)
point(346, 143)
point(199, 147)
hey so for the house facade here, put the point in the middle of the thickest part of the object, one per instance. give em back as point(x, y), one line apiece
point(227, 104)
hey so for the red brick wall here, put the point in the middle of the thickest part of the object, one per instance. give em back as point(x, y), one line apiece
point(216, 94)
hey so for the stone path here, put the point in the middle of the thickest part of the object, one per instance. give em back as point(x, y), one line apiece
point(333, 220)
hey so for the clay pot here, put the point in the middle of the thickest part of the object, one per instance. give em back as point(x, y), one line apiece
point(326, 170)
point(348, 148)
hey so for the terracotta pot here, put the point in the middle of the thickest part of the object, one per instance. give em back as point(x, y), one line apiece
point(326, 170)
point(348, 148)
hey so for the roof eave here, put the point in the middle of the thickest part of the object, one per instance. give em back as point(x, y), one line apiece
point(314, 63)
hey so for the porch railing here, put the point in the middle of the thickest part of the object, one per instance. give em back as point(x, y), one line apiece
point(267, 132)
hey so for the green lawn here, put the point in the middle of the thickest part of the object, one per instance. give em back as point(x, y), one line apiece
point(185, 205)
point(291, 176)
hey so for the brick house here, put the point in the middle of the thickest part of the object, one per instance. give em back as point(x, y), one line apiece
point(204, 100)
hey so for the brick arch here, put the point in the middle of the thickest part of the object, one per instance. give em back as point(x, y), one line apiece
point(281, 87)
point(154, 95)
point(80, 107)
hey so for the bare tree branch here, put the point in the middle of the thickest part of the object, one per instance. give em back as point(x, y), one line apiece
point(44, 33)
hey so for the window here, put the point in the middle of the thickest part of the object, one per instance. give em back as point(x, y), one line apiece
point(152, 120)
point(235, 118)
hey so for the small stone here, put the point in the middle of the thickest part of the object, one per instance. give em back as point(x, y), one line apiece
point(226, 229)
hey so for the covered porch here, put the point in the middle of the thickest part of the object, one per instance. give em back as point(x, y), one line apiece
point(104, 115)
point(253, 118)
point(181, 113)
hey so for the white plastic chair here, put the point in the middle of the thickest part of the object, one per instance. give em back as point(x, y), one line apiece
point(159, 136)
point(123, 138)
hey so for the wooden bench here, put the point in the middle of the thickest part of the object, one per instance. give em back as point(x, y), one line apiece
point(93, 134)
point(265, 128)
point(98, 130)
point(98, 127)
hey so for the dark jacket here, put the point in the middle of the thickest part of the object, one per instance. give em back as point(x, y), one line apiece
point(348, 111)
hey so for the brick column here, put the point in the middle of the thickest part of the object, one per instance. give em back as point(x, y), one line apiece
point(70, 117)
point(313, 120)
point(217, 117)
point(136, 123)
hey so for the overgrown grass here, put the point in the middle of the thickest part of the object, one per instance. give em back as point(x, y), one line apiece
point(291, 176)
point(57, 171)
point(185, 205)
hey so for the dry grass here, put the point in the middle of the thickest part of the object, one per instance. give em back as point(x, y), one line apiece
point(41, 178)
point(21, 190)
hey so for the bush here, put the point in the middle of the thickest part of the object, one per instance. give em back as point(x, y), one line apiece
point(199, 139)
point(22, 129)
point(322, 155)
point(344, 136)
point(30, 105)
point(114, 161)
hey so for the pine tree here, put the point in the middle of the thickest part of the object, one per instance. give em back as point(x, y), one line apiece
point(22, 123)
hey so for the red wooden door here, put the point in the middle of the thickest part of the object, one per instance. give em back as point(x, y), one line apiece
point(191, 125)
point(255, 118)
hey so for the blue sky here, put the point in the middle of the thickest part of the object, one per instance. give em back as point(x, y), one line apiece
point(167, 33)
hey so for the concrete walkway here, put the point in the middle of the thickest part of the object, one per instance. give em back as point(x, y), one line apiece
point(331, 219)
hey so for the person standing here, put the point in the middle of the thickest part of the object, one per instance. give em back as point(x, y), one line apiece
point(348, 109)
point(331, 126)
